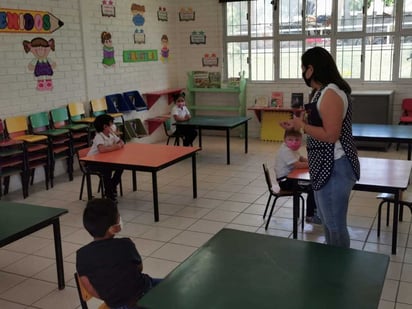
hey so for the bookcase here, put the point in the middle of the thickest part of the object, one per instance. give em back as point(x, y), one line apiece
point(239, 107)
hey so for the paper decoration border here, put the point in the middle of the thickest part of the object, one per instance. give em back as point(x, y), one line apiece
point(140, 55)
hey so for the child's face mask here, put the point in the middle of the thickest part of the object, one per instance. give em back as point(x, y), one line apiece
point(113, 128)
point(293, 143)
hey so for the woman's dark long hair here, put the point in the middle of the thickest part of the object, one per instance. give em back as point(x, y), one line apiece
point(325, 70)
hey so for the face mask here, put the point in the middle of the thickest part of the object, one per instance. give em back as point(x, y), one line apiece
point(121, 223)
point(293, 145)
point(307, 80)
point(113, 128)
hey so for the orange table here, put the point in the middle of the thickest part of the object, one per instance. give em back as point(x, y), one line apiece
point(377, 175)
point(146, 158)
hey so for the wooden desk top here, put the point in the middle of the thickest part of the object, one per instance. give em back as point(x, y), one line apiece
point(375, 173)
point(18, 220)
point(237, 269)
point(143, 155)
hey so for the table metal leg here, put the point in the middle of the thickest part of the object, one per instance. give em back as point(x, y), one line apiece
point(194, 175)
point(89, 187)
point(134, 180)
point(155, 197)
point(228, 146)
point(59, 253)
point(409, 150)
point(246, 137)
point(200, 138)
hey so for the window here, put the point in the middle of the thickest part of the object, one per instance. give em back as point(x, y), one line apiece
point(366, 37)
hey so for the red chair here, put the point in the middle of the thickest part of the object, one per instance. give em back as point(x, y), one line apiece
point(406, 117)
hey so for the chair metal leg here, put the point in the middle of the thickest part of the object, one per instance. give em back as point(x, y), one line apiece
point(303, 211)
point(267, 205)
point(82, 186)
point(271, 212)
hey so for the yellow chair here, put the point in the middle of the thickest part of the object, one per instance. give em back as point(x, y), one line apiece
point(78, 114)
point(84, 295)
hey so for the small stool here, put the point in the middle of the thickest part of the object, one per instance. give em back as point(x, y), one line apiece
point(389, 198)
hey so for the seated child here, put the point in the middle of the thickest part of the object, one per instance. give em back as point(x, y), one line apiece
point(110, 268)
point(289, 158)
point(181, 113)
point(104, 141)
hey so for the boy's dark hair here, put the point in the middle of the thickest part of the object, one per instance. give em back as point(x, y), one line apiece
point(292, 132)
point(178, 95)
point(101, 121)
point(99, 215)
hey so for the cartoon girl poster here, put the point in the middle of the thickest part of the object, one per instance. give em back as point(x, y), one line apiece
point(108, 50)
point(41, 64)
point(164, 51)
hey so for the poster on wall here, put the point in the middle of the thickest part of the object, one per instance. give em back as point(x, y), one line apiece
point(108, 8)
point(197, 37)
point(164, 51)
point(41, 65)
point(210, 60)
point(138, 19)
point(139, 55)
point(162, 14)
point(108, 50)
point(28, 21)
point(186, 14)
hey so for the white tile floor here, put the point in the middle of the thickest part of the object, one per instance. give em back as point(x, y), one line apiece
point(228, 196)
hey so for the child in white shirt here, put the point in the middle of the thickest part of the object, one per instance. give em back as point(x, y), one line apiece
point(180, 112)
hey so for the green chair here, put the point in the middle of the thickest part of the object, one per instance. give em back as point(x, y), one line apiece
point(168, 131)
point(60, 142)
point(80, 132)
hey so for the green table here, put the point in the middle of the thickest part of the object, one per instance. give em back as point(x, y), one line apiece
point(223, 123)
point(237, 269)
point(19, 220)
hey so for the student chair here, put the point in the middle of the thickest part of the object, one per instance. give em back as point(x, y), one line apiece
point(116, 104)
point(406, 117)
point(388, 199)
point(78, 115)
point(79, 132)
point(84, 295)
point(276, 195)
point(11, 161)
point(134, 99)
point(85, 171)
point(59, 141)
point(36, 149)
point(167, 127)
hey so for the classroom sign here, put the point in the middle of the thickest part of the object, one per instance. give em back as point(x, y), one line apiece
point(28, 21)
point(139, 55)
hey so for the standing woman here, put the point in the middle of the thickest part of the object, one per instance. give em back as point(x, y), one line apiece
point(333, 160)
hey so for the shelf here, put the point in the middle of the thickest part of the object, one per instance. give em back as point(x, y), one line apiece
point(153, 96)
point(214, 108)
point(259, 109)
point(216, 90)
point(154, 123)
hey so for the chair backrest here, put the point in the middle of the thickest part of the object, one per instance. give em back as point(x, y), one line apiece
point(167, 126)
point(39, 121)
point(407, 106)
point(76, 110)
point(267, 177)
point(16, 126)
point(98, 106)
point(80, 154)
point(59, 117)
point(84, 295)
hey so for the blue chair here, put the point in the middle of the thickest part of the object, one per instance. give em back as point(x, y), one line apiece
point(116, 104)
point(135, 100)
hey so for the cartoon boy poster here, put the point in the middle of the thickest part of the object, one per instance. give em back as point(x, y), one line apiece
point(41, 65)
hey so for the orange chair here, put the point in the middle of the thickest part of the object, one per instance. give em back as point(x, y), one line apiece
point(406, 117)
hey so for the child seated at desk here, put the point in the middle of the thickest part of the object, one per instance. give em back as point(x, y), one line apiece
point(104, 141)
point(110, 268)
point(288, 158)
point(181, 113)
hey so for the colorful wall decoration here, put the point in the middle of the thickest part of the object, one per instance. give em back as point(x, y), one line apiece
point(41, 65)
point(28, 21)
point(108, 49)
point(186, 14)
point(210, 60)
point(164, 51)
point(198, 37)
point(140, 55)
point(138, 20)
point(108, 8)
point(162, 14)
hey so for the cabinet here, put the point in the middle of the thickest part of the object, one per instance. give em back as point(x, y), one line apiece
point(375, 107)
point(220, 104)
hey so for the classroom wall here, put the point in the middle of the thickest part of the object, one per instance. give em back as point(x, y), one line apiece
point(80, 76)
